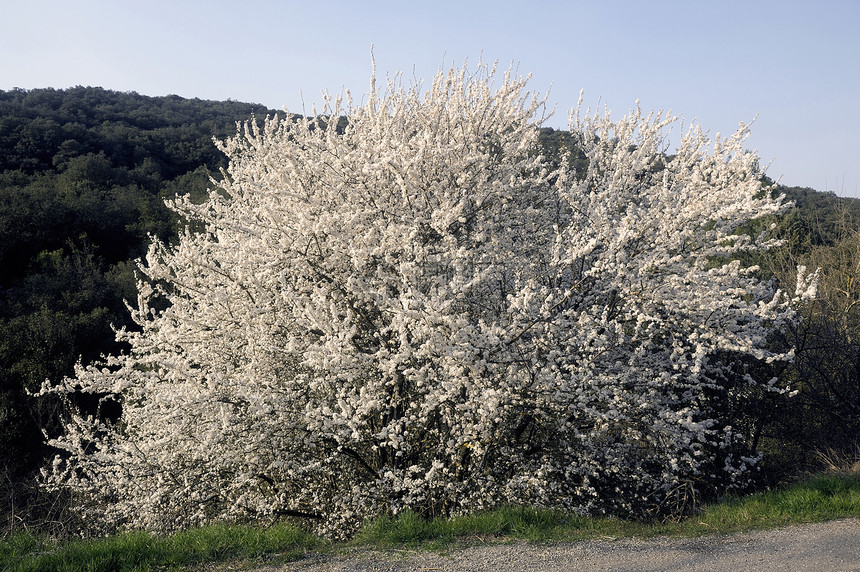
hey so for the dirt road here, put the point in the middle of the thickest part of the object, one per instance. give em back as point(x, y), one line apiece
point(824, 547)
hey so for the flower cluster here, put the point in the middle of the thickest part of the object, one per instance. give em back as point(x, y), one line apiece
point(413, 309)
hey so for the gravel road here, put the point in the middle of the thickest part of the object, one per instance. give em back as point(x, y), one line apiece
point(822, 547)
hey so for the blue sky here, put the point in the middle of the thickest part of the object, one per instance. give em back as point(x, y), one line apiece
point(795, 65)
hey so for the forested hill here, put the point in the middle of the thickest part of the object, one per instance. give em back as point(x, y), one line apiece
point(41, 129)
point(93, 162)
point(83, 177)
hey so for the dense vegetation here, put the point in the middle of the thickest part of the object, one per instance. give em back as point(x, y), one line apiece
point(83, 177)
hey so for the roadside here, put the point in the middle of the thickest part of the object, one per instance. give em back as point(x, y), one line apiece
point(819, 547)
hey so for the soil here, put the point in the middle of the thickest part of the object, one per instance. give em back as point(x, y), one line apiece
point(820, 547)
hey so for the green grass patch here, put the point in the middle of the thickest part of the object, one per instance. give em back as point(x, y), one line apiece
point(820, 498)
point(522, 523)
point(824, 497)
point(140, 551)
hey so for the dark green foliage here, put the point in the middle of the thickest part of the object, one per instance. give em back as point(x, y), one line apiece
point(40, 128)
point(83, 177)
point(824, 415)
point(818, 219)
point(95, 162)
point(559, 145)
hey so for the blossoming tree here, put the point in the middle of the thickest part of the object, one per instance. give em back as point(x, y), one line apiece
point(413, 310)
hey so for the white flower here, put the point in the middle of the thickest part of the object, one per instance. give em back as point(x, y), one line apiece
point(414, 310)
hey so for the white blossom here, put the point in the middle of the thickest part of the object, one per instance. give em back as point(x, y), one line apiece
point(415, 310)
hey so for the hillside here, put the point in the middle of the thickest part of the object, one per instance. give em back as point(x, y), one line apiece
point(83, 177)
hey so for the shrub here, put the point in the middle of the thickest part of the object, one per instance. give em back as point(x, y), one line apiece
point(412, 310)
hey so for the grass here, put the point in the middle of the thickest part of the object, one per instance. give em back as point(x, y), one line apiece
point(139, 551)
point(523, 523)
point(820, 498)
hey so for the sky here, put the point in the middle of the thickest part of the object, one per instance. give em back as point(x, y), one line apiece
point(793, 66)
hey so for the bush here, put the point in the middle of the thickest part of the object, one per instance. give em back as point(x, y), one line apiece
point(413, 309)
